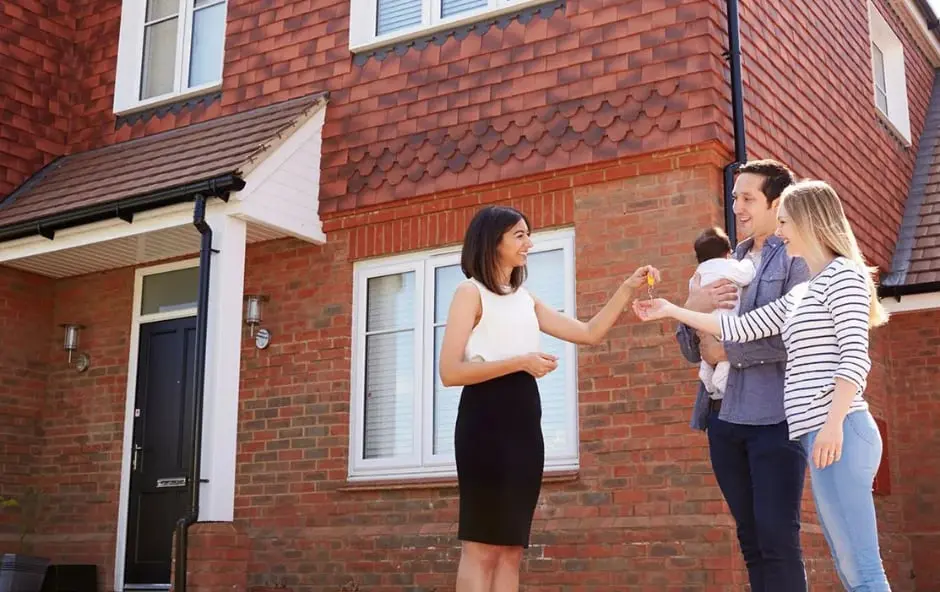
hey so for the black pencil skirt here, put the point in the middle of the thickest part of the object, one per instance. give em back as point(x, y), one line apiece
point(500, 456)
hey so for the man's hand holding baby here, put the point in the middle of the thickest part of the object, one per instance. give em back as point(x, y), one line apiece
point(718, 294)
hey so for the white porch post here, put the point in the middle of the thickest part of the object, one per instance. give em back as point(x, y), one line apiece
point(223, 364)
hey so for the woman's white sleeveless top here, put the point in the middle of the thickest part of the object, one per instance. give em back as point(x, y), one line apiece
point(508, 326)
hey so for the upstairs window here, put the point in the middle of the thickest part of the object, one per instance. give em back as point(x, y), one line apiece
point(375, 23)
point(888, 75)
point(168, 49)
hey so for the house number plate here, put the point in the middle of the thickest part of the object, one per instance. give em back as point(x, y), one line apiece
point(176, 482)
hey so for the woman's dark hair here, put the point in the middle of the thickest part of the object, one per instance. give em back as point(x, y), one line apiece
point(481, 243)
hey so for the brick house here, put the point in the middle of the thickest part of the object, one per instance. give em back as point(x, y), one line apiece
point(164, 157)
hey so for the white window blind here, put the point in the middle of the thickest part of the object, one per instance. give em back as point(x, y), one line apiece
point(395, 15)
point(403, 417)
point(452, 7)
point(389, 383)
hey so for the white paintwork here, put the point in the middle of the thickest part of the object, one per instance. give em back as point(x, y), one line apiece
point(886, 39)
point(363, 14)
point(130, 59)
point(223, 367)
point(99, 232)
point(282, 191)
point(132, 363)
point(912, 302)
point(923, 36)
point(423, 462)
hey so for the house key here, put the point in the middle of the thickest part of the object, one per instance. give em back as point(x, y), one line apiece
point(650, 281)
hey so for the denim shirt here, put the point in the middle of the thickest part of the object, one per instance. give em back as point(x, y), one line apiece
point(754, 395)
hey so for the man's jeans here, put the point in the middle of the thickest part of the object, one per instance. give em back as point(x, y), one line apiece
point(760, 472)
point(842, 492)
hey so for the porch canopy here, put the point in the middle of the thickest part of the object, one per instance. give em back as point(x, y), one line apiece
point(131, 202)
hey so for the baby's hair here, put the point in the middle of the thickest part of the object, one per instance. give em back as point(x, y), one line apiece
point(712, 244)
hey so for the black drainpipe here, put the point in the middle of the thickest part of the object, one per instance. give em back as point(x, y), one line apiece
point(199, 373)
point(737, 117)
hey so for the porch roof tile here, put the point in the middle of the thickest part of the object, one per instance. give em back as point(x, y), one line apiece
point(197, 152)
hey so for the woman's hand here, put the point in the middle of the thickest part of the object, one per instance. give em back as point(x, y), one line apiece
point(638, 279)
point(652, 310)
point(538, 364)
point(827, 449)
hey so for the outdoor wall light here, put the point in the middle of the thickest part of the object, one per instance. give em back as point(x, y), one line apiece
point(254, 305)
point(70, 345)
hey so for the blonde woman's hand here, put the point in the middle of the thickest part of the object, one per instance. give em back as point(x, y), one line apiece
point(652, 310)
point(827, 449)
point(538, 364)
point(637, 280)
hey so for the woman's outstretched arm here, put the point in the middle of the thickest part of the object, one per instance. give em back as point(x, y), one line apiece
point(593, 331)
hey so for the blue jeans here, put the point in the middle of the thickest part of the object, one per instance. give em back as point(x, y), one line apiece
point(760, 472)
point(843, 496)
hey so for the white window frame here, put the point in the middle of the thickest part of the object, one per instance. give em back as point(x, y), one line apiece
point(423, 463)
point(364, 14)
point(130, 57)
point(892, 50)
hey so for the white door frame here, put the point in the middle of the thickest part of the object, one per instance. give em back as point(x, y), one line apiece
point(137, 320)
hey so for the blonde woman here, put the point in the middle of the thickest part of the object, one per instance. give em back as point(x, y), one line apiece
point(824, 323)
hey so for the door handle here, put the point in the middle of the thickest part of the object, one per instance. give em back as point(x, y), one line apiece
point(135, 456)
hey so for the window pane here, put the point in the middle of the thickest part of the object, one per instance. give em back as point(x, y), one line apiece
point(157, 9)
point(445, 284)
point(205, 59)
point(878, 63)
point(173, 290)
point(881, 100)
point(446, 400)
point(391, 302)
point(393, 15)
point(546, 277)
point(452, 7)
point(553, 392)
point(389, 395)
point(159, 67)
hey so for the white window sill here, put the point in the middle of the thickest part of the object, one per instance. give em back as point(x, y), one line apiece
point(550, 476)
point(905, 140)
point(452, 23)
point(167, 99)
point(444, 474)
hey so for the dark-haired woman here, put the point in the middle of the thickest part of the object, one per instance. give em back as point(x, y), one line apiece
point(491, 348)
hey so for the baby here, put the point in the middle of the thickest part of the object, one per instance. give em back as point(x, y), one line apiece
point(713, 252)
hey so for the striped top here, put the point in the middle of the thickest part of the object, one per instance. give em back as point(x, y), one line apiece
point(824, 325)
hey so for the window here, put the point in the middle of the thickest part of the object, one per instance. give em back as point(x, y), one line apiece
point(378, 22)
point(168, 49)
point(402, 416)
point(889, 79)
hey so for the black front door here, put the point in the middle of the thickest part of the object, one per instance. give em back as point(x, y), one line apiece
point(160, 454)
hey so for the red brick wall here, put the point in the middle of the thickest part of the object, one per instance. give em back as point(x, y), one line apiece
point(79, 467)
point(914, 438)
point(36, 42)
point(25, 326)
point(809, 102)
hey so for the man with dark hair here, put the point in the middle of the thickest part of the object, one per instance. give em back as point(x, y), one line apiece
point(759, 470)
